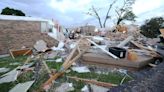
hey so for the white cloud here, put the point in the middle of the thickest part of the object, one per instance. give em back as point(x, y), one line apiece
point(142, 6)
point(68, 5)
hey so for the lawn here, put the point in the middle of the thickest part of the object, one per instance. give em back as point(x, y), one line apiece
point(43, 76)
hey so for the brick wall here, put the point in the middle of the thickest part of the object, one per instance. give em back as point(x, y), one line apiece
point(15, 34)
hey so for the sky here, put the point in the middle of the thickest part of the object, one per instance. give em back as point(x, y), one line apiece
point(70, 13)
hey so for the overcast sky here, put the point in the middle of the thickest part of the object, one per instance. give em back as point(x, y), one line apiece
point(72, 12)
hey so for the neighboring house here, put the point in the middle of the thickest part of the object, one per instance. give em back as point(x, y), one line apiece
point(18, 31)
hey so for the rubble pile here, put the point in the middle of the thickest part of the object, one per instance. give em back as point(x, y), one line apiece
point(79, 52)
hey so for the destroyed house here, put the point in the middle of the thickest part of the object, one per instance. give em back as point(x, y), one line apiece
point(18, 31)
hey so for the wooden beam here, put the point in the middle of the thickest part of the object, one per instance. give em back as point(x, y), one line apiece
point(104, 84)
point(107, 52)
point(68, 62)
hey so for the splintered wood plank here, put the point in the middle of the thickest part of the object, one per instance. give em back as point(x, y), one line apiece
point(98, 83)
point(68, 62)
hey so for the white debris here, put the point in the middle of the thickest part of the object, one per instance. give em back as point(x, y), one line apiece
point(123, 43)
point(2, 70)
point(122, 71)
point(60, 46)
point(98, 38)
point(41, 46)
point(59, 60)
point(10, 76)
point(85, 89)
point(22, 87)
point(26, 66)
point(65, 87)
point(102, 46)
point(82, 69)
point(73, 45)
point(96, 88)
point(50, 55)
point(16, 63)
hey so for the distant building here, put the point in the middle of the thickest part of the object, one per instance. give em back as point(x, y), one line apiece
point(18, 31)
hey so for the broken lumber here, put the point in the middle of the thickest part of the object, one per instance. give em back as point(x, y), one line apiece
point(152, 65)
point(18, 52)
point(114, 56)
point(104, 84)
point(75, 54)
point(123, 43)
point(153, 52)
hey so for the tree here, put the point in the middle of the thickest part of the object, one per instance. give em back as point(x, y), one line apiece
point(93, 12)
point(10, 11)
point(125, 12)
point(151, 27)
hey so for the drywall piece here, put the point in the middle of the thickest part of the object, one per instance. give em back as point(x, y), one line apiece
point(82, 69)
point(9, 77)
point(96, 88)
point(73, 45)
point(85, 89)
point(22, 87)
point(122, 44)
point(16, 63)
point(59, 47)
point(103, 49)
point(59, 60)
point(65, 87)
point(41, 46)
point(2, 70)
point(98, 38)
point(26, 66)
point(102, 46)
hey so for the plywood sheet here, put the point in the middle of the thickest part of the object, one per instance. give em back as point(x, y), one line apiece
point(102, 58)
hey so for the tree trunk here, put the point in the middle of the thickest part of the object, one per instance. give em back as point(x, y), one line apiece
point(108, 13)
point(100, 22)
point(119, 21)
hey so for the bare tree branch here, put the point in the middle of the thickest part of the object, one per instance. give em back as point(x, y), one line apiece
point(107, 14)
point(98, 17)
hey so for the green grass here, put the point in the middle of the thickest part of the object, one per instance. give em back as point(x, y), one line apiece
point(54, 65)
point(27, 76)
point(114, 78)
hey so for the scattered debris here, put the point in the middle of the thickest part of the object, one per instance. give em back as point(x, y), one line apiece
point(10, 76)
point(85, 89)
point(65, 87)
point(103, 49)
point(125, 41)
point(108, 85)
point(16, 63)
point(59, 60)
point(26, 51)
point(4, 69)
point(22, 87)
point(82, 69)
point(41, 46)
point(96, 88)
point(60, 46)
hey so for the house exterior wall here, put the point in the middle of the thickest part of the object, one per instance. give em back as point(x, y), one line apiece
point(16, 34)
